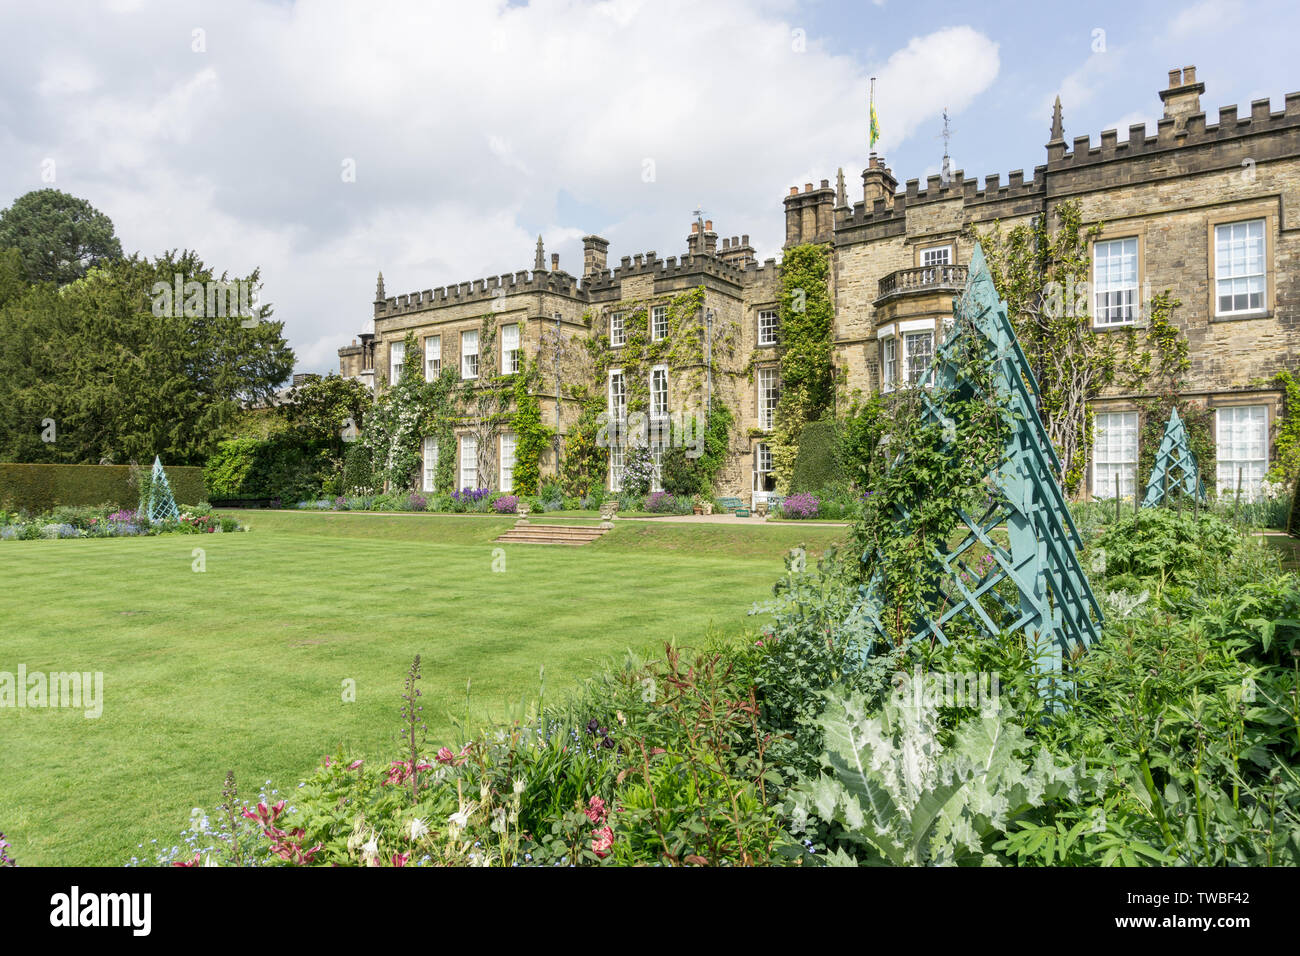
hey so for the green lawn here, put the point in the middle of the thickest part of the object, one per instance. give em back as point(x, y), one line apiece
point(242, 667)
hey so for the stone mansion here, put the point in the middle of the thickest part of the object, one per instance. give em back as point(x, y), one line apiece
point(1210, 210)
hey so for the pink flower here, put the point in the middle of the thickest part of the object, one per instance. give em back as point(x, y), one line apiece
point(399, 859)
point(602, 841)
point(445, 755)
point(355, 764)
point(595, 810)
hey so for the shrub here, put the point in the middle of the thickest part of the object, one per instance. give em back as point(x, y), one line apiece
point(802, 505)
point(506, 505)
point(818, 463)
point(416, 501)
point(638, 471)
point(1164, 545)
point(660, 502)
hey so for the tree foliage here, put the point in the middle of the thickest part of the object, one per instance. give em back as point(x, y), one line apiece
point(119, 382)
point(59, 237)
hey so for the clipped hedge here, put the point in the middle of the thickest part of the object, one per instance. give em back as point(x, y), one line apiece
point(818, 464)
point(38, 488)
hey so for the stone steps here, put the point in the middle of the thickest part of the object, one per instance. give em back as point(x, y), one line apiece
point(562, 534)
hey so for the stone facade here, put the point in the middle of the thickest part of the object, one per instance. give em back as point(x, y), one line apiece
point(1201, 209)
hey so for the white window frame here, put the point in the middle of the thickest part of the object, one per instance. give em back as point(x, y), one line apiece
point(928, 261)
point(432, 357)
point(507, 461)
point(659, 396)
point(617, 461)
point(762, 466)
point(396, 356)
point(617, 330)
point(768, 386)
point(469, 359)
point(1228, 269)
point(888, 363)
point(920, 375)
point(1229, 449)
point(658, 322)
point(617, 396)
point(430, 463)
point(1115, 437)
point(1115, 282)
point(768, 320)
point(468, 471)
point(510, 353)
point(657, 447)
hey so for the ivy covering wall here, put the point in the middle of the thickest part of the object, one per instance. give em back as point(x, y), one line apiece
point(806, 355)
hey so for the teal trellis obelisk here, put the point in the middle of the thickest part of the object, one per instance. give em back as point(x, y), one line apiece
point(1175, 466)
point(1053, 604)
point(159, 504)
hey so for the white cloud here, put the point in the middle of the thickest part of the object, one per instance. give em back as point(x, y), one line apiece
point(1207, 18)
point(465, 122)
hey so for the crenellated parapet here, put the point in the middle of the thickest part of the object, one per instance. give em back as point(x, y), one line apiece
point(480, 290)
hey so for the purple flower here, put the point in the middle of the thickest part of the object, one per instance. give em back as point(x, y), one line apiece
point(802, 505)
point(506, 505)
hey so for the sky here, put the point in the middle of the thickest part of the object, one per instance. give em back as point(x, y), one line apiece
point(324, 141)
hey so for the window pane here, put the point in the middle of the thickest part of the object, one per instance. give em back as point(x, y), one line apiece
point(430, 462)
point(507, 461)
point(1239, 267)
point(920, 350)
point(659, 321)
point(1115, 275)
point(469, 462)
point(1114, 454)
point(396, 354)
point(1242, 440)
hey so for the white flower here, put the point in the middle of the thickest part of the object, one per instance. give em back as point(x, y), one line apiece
point(418, 829)
point(371, 849)
point(519, 785)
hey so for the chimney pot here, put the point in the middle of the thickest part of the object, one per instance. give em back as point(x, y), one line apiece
point(794, 190)
point(555, 262)
point(1189, 75)
point(807, 187)
point(708, 225)
point(1175, 78)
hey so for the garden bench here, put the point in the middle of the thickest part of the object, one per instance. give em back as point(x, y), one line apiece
point(735, 506)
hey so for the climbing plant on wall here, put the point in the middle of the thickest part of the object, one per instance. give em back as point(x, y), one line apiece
point(531, 436)
point(1286, 461)
point(807, 368)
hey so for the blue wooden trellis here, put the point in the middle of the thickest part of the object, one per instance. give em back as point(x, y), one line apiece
point(1175, 466)
point(1054, 607)
point(159, 504)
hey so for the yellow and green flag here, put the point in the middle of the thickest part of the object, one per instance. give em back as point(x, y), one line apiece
point(875, 126)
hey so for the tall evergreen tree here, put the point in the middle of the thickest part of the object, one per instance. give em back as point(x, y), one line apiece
point(59, 237)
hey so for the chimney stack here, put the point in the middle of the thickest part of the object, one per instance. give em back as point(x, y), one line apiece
point(1183, 97)
point(594, 252)
point(555, 262)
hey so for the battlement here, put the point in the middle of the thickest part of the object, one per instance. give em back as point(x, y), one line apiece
point(479, 290)
point(1188, 131)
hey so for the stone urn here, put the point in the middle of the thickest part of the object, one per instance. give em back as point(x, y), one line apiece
point(522, 510)
point(608, 511)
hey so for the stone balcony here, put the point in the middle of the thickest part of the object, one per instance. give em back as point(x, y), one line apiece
point(922, 279)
